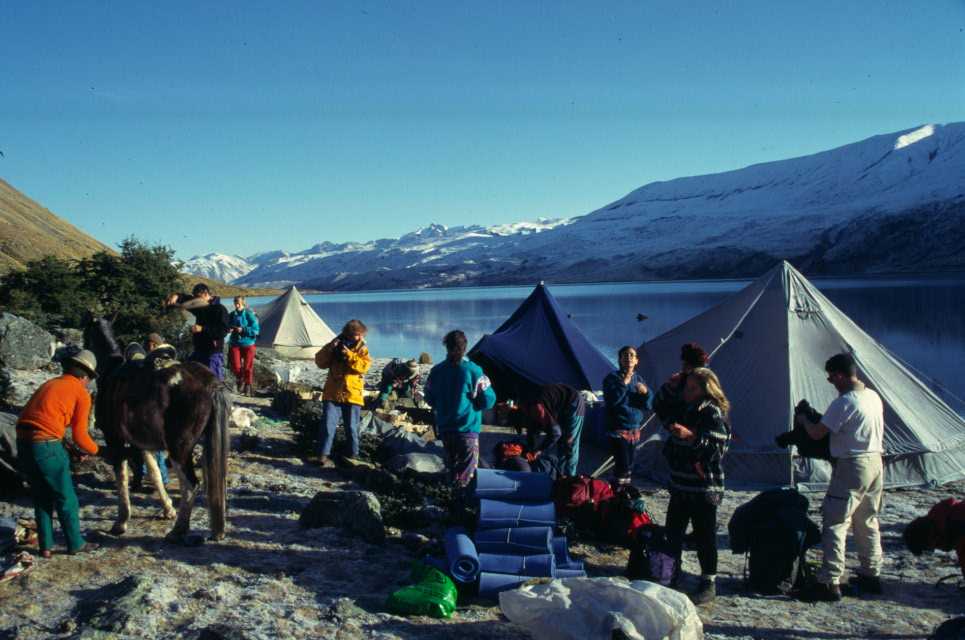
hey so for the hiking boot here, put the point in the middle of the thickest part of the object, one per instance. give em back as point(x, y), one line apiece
point(706, 592)
point(821, 592)
point(867, 584)
point(324, 462)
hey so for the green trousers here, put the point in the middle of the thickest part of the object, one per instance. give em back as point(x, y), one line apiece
point(47, 467)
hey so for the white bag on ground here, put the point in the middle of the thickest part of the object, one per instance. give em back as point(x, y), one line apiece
point(592, 608)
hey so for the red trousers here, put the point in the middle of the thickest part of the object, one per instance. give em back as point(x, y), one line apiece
point(242, 362)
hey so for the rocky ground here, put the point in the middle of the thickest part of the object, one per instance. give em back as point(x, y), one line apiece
point(272, 579)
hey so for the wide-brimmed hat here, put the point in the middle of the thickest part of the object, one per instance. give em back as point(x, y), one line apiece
point(413, 367)
point(86, 360)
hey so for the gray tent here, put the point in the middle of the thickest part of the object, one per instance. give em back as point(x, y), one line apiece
point(769, 343)
point(290, 326)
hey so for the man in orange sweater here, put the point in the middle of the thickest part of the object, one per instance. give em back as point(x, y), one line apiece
point(57, 404)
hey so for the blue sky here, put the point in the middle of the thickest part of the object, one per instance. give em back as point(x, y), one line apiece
point(253, 126)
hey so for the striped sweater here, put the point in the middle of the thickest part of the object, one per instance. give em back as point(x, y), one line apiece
point(696, 465)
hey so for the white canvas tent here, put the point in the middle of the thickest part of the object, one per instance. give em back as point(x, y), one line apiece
point(290, 326)
point(772, 339)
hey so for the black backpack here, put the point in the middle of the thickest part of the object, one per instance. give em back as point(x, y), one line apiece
point(774, 530)
point(776, 562)
point(651, 557)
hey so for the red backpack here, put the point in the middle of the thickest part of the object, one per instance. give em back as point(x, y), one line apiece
point(577, 495)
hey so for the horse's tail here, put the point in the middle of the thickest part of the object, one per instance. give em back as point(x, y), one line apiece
point(216, 446)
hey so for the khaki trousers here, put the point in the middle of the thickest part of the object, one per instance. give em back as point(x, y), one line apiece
point(854, 497)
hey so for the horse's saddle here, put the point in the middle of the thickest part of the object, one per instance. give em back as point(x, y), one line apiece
point(160, 358)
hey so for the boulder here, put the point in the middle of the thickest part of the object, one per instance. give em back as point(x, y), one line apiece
point(17, 385)
point(418, 462)
point(132, 607)
point(242, 417)
point(23, 345)
point(263, 376)
point(356, 512)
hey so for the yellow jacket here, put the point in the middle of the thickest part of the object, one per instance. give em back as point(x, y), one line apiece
point(345, 377)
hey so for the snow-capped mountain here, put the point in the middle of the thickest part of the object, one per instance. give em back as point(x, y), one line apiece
point(218, 266)
point(893, 202)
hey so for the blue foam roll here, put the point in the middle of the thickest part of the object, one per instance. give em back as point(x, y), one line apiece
point(560, 549)
point(536, 566)
point(570, 573)
point(490, 584)
point(513, 485)
point(572, 565)
point(519, 541)
point(499, 514)
point(463, 561)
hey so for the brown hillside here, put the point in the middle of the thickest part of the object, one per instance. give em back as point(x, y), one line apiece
point(28, 232)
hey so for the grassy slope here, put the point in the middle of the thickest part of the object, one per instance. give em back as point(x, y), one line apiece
point(28, 231)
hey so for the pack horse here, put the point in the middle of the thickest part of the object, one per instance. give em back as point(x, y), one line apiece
point(171, 409)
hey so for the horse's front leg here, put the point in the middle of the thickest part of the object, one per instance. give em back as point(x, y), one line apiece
point(122, 476)
point(154, 473)
point(189, 490)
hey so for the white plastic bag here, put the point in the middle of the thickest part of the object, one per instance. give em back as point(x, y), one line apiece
point(592, 608)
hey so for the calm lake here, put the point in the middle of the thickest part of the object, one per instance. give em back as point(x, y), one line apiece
point(921, 319)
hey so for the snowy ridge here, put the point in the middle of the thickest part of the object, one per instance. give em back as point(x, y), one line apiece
point(893, 202)
point(218, 266)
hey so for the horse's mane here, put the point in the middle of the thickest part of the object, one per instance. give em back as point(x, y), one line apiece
point(99, 338)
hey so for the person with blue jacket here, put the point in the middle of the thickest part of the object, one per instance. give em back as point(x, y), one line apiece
point(458, 392)
point(627, 399)
point(241, 344)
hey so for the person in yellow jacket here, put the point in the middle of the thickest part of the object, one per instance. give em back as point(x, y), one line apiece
point(347, 359)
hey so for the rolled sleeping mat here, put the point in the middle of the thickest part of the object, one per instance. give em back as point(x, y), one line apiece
point(500, 514)
point(569, 573)
point(560, 549)
point(490, 584)
point(519, 541)
point(534, 566)
point(572, 565)
point(513, 485)
point(461, 557)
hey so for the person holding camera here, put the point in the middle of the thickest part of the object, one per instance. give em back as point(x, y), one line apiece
point(347, 359)
point(855, 421)
point(627, 398)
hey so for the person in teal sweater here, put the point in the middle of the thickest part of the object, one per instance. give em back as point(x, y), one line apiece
point(241, 344)
point(458, 392)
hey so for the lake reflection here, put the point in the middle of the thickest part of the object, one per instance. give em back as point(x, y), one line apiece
point(920, 319)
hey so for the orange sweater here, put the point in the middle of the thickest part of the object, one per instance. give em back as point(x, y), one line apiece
point(56, 404)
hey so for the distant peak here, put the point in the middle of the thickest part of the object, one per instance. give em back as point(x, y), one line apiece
point(912, 137)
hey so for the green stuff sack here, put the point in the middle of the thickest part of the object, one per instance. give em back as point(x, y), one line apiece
point(433, 594)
